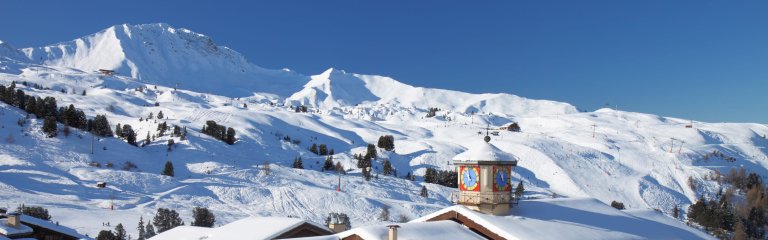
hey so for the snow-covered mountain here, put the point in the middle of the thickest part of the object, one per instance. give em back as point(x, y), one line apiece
point(606, 154)
point(336, 88)
point(11, 59)
point(161, 54)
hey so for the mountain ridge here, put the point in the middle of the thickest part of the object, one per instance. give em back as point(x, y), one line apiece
point(161, 54)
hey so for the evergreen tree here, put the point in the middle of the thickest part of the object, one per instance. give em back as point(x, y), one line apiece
point(106, 235)
point(386, 169)
point(49, 127)
point(202, 217)
point(676, 212)
point(183, 134)
point(617, 205)
point(384, 214)
point(129, 134)
point(83, 92)
point(328, 165)
point(297, 163)
point(168, 169)
point(160, 115)
point(519, 190)
point(36, 212)
point(323, 150)
point(166, 219)
point(147, 140)
point(100, 126)
point(340, 168)
point(230, 136)
point(119, 131)
point(176, 131)
point(150, 231)
point(430, 175)
point(313, 149)
point(170, 144)
point(141, 230)
point(371, 151)
point(120, 233)
point(424, 192)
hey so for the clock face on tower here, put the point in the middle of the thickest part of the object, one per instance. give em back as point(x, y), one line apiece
point(501, 179)
point(469, 178)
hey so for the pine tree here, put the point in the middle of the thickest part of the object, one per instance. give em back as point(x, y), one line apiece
point(129, 134)
point(313, 148)
point(106, 235)
point(100, 126)
point(371, 151)
point(617, 205)
point(340, 168)
point(170, 144)
point(430, 175)
point(323, 150)
point(150, 231)
point(676, 212)
point(168, 169)
point(424, 192)
point(147, 140)
point(386, 169)
point(141, 230)
point(49, 127)
point(519, 190)
point(230, 136)
point(119, 131)
point(297, 163)
point(328, 165)
point(202, 217)
point(160, 115)
point(384, 214)
point(120, 233)
point(166, 219)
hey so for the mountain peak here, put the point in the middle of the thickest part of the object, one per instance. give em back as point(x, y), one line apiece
point(158, 53)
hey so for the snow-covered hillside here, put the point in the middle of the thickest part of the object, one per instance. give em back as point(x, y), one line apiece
point(640, 159)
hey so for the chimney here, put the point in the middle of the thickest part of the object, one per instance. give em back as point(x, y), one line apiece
point(393, 232)
point(13, 220)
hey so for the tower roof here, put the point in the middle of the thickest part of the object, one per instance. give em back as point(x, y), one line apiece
point(484, 151)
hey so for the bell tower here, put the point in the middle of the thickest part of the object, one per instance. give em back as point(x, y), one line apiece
point(484, 178)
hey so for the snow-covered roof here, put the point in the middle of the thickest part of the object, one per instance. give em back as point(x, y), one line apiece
point(576, 218)
point(244, 229)
point(415, 231)
point(7, 230)
point(51, 226)
point(484, 151)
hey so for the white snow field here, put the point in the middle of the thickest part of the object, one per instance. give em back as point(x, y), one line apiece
point(606, 154)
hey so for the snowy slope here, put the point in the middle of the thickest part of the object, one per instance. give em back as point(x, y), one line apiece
point(607, 154)
point(336, 88)
point(161, 54)
point(11, 59)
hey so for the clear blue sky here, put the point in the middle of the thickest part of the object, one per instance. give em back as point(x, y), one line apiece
point(706, 60)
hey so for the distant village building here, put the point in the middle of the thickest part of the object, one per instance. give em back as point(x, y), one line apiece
point(107, 72)
point(338, 222)
point(18, 226)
